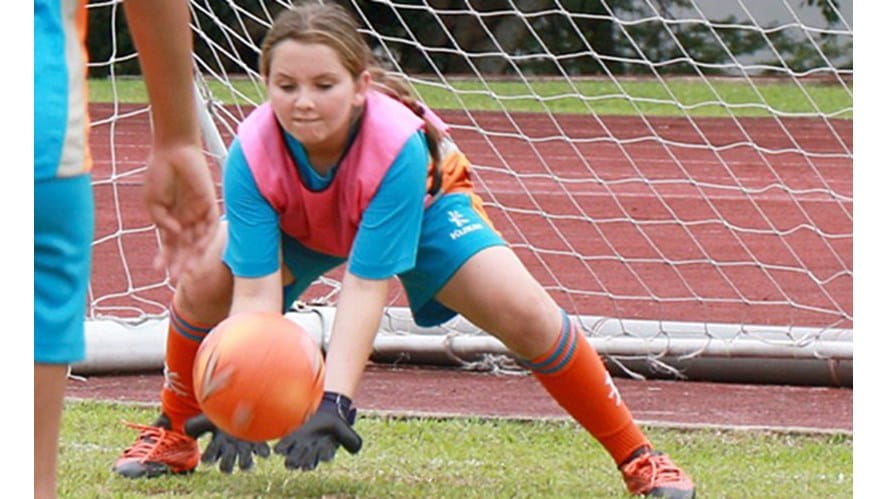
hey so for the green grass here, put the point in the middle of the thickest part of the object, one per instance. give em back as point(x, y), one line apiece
point(461, 458)
point(677, 97)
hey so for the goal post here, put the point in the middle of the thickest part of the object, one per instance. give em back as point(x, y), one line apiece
point(677, 174)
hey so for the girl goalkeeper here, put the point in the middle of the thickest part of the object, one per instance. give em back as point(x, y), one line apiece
point(343, 166)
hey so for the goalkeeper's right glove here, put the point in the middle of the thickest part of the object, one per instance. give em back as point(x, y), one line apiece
point(319, 438)
point(224, 448)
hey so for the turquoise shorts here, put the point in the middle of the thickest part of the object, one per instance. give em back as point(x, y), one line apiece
point(63, 232)
point(452, 232)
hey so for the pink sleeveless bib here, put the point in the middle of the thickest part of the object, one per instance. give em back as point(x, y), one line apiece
point(327, 221)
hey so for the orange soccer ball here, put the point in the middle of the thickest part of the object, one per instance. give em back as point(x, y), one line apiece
point(258, 376)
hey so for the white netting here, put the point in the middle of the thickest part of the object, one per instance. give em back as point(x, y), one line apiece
point(672, 166)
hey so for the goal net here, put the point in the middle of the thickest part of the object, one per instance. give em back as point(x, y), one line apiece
point(676, 173)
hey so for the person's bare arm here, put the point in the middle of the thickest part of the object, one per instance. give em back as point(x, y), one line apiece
point(358, 314)
point(179, 192)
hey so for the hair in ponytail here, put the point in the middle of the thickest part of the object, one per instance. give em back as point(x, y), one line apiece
point(395, 87)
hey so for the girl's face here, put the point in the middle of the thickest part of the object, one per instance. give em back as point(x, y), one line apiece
point(314, 96)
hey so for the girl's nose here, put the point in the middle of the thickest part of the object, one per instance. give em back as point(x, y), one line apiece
point(303, 101)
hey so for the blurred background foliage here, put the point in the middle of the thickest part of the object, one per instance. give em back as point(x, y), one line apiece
point(487, 37)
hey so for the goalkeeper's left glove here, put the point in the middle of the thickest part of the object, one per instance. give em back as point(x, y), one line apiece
point(319, 438)
point(224, 448)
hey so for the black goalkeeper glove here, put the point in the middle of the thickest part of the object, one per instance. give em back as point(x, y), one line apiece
point(224, 448)
point(319, 438)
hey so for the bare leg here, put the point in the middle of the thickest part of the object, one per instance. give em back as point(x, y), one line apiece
point(496, 293)
point(49, 392)
point(204, 295)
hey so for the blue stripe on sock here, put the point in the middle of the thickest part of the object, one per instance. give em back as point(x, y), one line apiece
point(187, 330)
point(542, 367)
point(562, 342)
point(560, 365)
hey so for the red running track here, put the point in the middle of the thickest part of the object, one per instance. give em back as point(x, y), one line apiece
point(612, 193)
point(409, 390)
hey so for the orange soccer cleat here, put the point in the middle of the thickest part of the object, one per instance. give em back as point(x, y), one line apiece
point(157, 451)
point(652, 474)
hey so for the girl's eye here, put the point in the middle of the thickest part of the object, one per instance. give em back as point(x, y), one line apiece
point(324, 86)
point(286, 87)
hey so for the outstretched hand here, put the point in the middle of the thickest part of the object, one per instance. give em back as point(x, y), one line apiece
point(223, 448)
point(319, 438)
point(181, 199)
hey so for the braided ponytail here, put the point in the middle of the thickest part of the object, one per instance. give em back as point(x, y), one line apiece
point(396, 88)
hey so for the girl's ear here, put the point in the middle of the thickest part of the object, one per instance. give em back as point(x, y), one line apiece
point(362, 84)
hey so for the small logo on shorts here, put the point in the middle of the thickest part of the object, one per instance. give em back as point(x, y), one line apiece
point(459, 221)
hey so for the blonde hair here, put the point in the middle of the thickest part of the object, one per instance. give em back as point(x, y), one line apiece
point(331, 25)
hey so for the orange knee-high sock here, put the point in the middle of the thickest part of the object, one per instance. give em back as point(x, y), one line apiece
point(573, 373)
point(177, 396)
